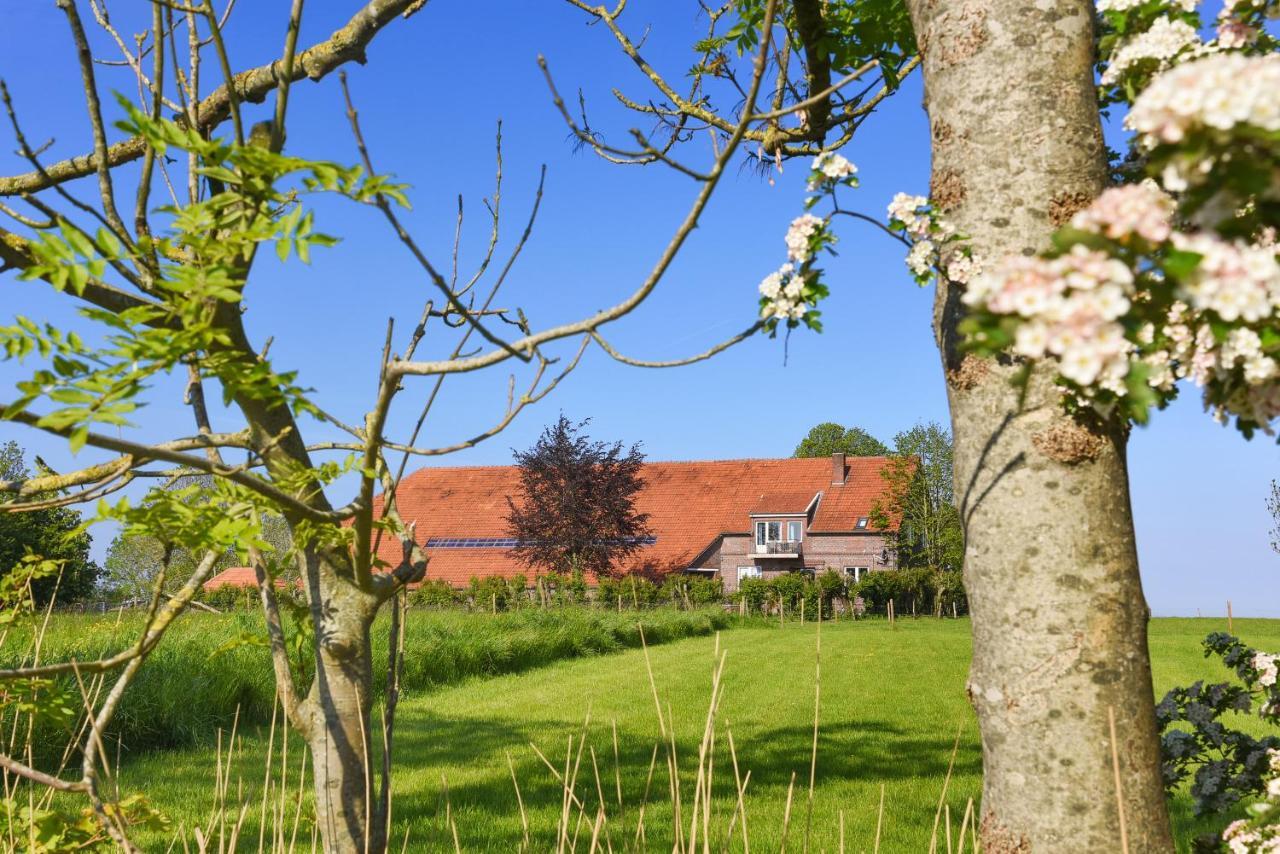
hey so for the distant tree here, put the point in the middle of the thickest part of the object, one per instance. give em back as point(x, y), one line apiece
point(828, 438)
point(134, 559)
point(576, 508)
point(920, 494)
point(49, 533)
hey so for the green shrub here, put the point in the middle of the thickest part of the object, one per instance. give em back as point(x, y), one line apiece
point(434, 593)
point(494, 593)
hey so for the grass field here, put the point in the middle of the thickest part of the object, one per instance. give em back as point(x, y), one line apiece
point(205, 671)
point(892, 702)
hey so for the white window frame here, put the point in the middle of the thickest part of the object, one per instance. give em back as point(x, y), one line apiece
point(764, 528)
point(796, 527)
point(749, 572)
point(857, 572)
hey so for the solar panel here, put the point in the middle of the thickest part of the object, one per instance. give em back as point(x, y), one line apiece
point(502, 542)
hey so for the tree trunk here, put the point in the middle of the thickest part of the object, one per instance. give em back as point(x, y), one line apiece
point(336, 713)
point(1059, 619)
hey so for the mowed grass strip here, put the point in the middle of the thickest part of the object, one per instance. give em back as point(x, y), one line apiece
point(892, 703)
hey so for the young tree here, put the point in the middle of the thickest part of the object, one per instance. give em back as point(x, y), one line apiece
point(576, 506)
point(49, 531)
point(920, 495)
point(828, 438)
point(163, 283)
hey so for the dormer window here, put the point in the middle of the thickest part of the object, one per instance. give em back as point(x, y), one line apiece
point(772, 532)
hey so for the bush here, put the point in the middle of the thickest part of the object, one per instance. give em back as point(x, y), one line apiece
point(1224, 764)
point(494, 593)
point(692, 591)
point(434, 593)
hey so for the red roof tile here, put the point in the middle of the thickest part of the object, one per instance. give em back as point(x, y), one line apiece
point(236, 576)
point(783, 503)
point(689, 505)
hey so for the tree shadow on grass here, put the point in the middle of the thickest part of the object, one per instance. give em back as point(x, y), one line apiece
point(471, 754)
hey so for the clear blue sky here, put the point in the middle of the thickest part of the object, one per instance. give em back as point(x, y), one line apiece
point(430, 96)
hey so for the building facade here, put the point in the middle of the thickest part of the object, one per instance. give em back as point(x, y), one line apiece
point(734, 519)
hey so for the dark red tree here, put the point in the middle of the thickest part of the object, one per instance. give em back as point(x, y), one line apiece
point(576, 508)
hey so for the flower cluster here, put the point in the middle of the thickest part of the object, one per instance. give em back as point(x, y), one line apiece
point(829, 167)
point(1218, 92)
point(1070, 307)
point(1265, 664)
point(781, 294)
point(1240, 23)
point(790, 295)
point(1154, 48)
point(804, 232)
point(1233, 279)
point(1260, 833)
point(1130, 305)
point(1135, 210)
point(1128, 5)
point(935, 245)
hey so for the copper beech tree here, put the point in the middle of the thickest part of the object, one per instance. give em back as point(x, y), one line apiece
point(156, 231)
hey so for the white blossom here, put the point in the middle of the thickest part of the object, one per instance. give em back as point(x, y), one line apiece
point(771, 285)
point(1236, 280)
point(1165, 39)
point(906, 210)
point(921, 258)
point(1266, 666)
point(1217, 92)
point(1133, 209)
point(832, 166)
point(801, 230)
point(1126, 5)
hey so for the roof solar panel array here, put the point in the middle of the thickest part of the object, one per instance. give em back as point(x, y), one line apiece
point(498, 542)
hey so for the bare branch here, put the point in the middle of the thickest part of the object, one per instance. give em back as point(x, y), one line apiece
point(347, 44)
point(688, 360)
point(85, 56)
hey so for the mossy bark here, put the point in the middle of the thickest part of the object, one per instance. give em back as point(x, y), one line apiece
point(1059, 618)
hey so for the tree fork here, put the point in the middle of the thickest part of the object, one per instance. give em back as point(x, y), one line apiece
point(1059, 618)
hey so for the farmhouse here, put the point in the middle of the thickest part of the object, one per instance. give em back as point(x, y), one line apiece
point(732, 518)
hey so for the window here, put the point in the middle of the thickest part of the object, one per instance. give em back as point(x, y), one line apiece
point(855, 572)
point(748, 572)
point(795, 532)
point(768, 532)
point(862, 522)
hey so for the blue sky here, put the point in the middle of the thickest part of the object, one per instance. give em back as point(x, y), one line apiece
point(430, 97)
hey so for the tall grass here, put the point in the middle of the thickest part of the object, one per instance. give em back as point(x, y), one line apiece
point(211, 666)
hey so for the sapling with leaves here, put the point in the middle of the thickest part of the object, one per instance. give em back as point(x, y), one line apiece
point(161, 272)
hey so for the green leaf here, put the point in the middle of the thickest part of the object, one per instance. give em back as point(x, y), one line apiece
point(78, 438)
point(1180, 263)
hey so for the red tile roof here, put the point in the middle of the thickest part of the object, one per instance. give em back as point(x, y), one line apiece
point(236, 576)
point(689, 504)
point(783, 503)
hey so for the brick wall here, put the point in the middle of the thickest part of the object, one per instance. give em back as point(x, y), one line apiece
point(819, 551)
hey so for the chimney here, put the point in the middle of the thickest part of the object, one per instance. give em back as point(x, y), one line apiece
point(837, 469)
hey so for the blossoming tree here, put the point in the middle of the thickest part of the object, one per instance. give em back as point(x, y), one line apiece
point(1049, 357)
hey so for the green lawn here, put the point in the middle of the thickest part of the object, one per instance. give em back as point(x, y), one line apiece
point(892, 701)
